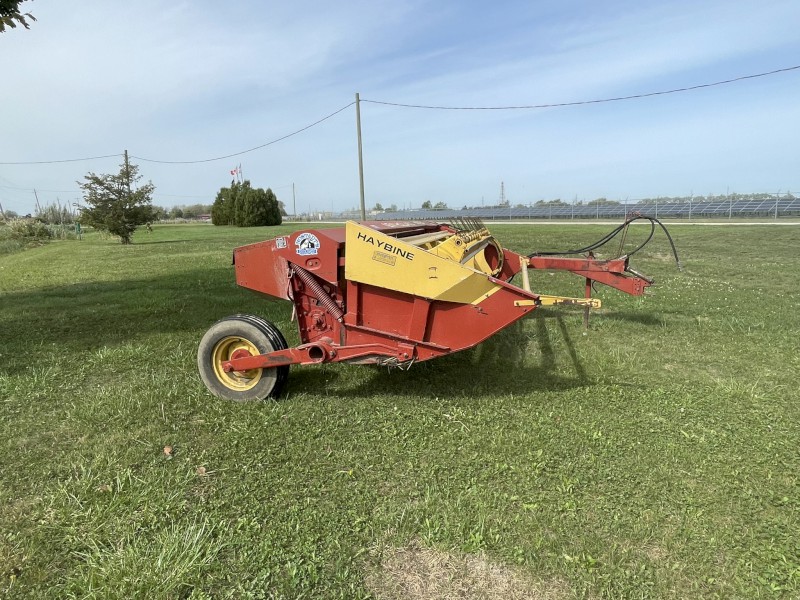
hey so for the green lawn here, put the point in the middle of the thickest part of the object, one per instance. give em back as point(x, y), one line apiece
point(655, 455)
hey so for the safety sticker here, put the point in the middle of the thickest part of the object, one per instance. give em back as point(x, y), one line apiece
point(307, 244)
point(384, 258)
point(280, 242)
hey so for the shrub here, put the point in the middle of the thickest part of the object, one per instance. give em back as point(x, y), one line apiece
point(18, 234)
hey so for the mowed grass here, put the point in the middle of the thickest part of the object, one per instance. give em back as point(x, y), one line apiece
point(655, 455)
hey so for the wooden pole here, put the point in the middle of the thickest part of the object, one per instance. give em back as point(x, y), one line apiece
point(127, 173)
point(360, 159)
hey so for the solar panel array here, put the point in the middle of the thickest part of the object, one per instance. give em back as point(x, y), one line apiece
point(769, 207)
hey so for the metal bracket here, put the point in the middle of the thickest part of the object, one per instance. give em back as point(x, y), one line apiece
point(544, 300)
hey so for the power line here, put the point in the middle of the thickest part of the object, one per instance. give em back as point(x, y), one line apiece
point(63, 160)
point(157, 194)
point(21, 189)
point(582, 102)
point(264, 145)
point(160, 195)
point(186, 162)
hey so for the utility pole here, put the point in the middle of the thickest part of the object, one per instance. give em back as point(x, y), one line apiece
point(730, 202)
point(360, 159)
point(777, 196)
point(127, 173)
point(294, 203)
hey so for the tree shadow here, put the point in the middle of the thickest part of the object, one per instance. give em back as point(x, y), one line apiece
point(630, 316)
point(140, 242)
point(86, 316)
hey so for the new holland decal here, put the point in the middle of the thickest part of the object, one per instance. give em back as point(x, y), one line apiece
point(306, 244)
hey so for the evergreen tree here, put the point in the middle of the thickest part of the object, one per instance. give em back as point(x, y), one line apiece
point(274, 212)
point(245, 206)
point(115, 203)
point(223, 211)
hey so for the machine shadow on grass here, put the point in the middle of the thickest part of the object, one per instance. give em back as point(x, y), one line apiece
point(644, 318)
point(517, 360)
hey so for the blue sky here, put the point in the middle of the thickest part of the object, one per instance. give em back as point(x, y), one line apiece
point(182, 81)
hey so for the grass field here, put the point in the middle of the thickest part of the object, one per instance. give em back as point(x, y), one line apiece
point(655, 455)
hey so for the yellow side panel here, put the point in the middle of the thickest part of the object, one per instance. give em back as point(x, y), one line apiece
point(378, 259)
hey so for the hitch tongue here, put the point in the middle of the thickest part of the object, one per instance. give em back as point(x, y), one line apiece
point(639, 275)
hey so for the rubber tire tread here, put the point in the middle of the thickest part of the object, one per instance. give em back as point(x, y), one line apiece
point(275, 339)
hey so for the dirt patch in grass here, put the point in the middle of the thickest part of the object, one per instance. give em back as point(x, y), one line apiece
point(419, 573)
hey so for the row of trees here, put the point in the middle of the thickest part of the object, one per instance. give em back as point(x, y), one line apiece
point(660, 200)
point(731, 197)
point(58, 213)
point(245, 206)
point(392, 208)
point(437, 206)
point(191, 211)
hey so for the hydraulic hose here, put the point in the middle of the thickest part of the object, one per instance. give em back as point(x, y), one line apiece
point(611, 235)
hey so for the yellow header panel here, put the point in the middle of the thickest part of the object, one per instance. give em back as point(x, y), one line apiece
point(377, 259)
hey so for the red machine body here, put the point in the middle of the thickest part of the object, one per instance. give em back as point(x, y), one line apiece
point(374, 311)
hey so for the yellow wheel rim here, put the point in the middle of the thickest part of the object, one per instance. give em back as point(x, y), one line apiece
point(235, 380)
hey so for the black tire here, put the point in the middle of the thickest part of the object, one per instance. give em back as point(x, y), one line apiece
point(278, 342)
point(252, 334)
